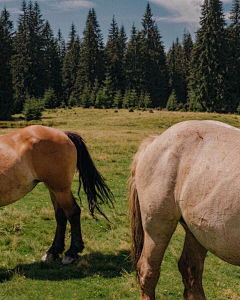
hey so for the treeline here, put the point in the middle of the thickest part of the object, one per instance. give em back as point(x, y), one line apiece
point(40, 70)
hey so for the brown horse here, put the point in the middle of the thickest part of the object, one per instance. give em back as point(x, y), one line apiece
point(42, 154)
point(189, 174)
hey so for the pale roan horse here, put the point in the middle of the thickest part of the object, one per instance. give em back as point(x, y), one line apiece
point(42, 154)
point(189, 174)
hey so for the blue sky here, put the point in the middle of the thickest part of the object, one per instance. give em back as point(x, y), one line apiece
point(172, 16)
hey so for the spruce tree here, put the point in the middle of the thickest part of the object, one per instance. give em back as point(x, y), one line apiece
point(61, 46)
point(132, 62)
point(19, 61)
point(52, 63)
point(28, 59)
point(91, 62)
point(177, 80)
point(233, 50)
point(208, 63)
point(114, 54)
point(6, 96)
point(154, 75)
point(118, 99)
point(70, 66)
point(187, 46)
point(35, 45)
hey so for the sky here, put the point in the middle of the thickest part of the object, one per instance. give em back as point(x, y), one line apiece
point(171, 16)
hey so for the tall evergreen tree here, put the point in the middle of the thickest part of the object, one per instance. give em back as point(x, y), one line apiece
point(91, 61)
point(177, 80)
point(233, 42)
point(28, 59)
point(154, 78)
point(187, 46)
point(70, 65)
point(132, 62)
point(114, 53)
point(208, 62)
point(61, 46)
point(6, 96)
point(19, 61)
point(52, 63)
point(35, 44)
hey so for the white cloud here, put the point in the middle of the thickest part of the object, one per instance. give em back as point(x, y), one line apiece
point(72, 4)
point(181, 11)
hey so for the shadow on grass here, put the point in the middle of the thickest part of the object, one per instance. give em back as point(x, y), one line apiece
point(96, 263)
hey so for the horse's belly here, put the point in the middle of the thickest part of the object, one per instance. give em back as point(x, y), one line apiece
point(15, 183)
point(216, 225)
point(222, 238)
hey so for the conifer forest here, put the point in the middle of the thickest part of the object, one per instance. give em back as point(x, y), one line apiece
point(39, 69)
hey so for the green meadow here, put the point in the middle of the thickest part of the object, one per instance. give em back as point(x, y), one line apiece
point(103, 270)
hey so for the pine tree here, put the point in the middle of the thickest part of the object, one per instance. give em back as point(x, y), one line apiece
point(132, 62)
point(118, 99)
point(35, 45)
point(172, 103)
point(187, 46)
point(86, 97)
point(233, 42)
point(107, 92)
point(208, 62)
point(154, 75)
point(28, 59)
point(70, 67)
point(91, 62)
point(19, 61)
point(52, 63)
point(50, 99)
point(6, 96)
point(94, 92)
point(114, 54)
point(130, 99)
point(61, 46)
point(177, 80)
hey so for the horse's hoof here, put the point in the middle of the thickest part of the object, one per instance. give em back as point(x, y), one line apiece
point(67, 260)
point(47, 257)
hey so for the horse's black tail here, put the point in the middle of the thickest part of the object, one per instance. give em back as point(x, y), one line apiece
point(93, 182)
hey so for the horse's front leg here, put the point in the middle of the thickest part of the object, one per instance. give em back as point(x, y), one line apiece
point(58, 242)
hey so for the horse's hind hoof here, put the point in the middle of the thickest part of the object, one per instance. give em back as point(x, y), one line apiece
point(47, 257)
point(68, 260)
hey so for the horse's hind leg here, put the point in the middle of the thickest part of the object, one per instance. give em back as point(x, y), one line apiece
point(72, 212)
point(191, 266)
point(65, 208)
point(156, 238)
point(58, 242)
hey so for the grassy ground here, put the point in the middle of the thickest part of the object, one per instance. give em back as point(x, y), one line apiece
point(104, 270)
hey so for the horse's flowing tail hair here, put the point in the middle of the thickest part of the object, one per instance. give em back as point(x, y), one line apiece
point(93, 182)
point(134, 208)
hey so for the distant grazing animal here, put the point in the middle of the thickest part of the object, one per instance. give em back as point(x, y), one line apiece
point(42, 154)
point(189, 174)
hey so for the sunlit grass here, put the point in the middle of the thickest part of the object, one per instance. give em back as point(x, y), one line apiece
point(104, 271)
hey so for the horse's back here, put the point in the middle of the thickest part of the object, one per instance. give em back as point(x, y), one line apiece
point(192, 171)
point(32, 154)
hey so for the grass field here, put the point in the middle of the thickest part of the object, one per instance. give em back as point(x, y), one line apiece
point(104, 270)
